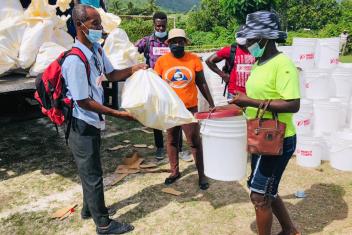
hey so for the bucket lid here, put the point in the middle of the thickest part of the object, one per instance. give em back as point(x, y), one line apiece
point(220, 112)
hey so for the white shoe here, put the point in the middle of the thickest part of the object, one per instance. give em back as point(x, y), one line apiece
point(185, 156)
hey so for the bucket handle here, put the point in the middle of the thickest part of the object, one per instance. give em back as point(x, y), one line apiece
point(209, 115)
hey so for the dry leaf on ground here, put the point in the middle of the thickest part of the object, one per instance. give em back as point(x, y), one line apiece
point(63, 211)
point(171, 191)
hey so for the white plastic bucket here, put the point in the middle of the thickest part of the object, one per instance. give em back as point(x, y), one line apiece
point(341, 151)
point(326, 116)
point(317, 84)
point(287, 50)
point(327, 53)
point(304, 118)
point(309, 151)
point(345, 65)
point(343, 102)
point(349, 115)
point(224, 151)
point(302, 84)
point(303, 53)
point(343, 82)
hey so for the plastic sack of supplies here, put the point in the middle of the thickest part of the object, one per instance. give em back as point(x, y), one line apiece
point(109, 21)
point(10, 8)
point(118, 48)
point(63, 5)
point(48, 52)
point(11, 33)
point(153, 102)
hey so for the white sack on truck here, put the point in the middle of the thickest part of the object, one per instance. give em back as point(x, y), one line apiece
point(11, 34)
point(10, 8)
point(118, 48)
point(48, 52)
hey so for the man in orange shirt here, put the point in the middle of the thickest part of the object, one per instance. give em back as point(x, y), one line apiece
point(183, 71)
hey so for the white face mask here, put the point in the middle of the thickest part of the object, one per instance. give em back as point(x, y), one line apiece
point(241, 41)
point(160, 34)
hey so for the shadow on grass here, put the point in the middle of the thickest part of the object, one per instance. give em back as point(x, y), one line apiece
point(323, 205)
point(32, 145)
point(151, 199)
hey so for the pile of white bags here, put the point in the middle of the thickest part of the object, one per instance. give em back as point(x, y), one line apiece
point(118, 48)
point(109, 21)
point(11, 32)
point(153, 102)
point(23, 34)
point(10, 9)
point(48, 52)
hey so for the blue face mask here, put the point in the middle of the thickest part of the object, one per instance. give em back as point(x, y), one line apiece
point(160, 34)
point(256, 51)
point(94, 35)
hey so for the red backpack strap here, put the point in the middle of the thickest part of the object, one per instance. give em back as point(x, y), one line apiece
point(78, 52)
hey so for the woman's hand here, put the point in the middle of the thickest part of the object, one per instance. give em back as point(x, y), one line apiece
point(240, 99)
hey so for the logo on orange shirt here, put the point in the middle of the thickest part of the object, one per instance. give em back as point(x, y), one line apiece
point(178, 77)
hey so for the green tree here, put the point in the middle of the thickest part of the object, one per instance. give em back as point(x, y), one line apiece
point(240, 8)
point(209, 15)
point(152, 7)
point(312, 14)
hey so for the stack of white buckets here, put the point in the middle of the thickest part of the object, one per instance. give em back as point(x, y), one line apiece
point(324, 123)
point(216, 86)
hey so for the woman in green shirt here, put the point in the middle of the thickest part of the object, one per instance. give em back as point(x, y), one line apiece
point(275, 77)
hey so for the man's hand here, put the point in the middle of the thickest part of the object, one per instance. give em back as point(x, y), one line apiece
point(124, 115)
point(225, 77)
point(137, 67)
point(240, 99)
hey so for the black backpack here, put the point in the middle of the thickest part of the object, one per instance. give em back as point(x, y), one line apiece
point(229, 64)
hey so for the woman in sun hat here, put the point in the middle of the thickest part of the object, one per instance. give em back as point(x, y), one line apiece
point(274, 76)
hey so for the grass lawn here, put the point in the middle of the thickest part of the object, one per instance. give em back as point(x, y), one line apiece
point(346, 59)
point(38, 176)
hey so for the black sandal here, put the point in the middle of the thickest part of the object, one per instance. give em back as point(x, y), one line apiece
point(171, 179)
point(204, 186)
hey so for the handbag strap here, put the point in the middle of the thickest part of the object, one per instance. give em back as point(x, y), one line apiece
point(259, 108)
point(267, 103)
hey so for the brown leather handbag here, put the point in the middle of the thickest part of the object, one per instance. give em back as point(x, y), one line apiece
point(265, 136)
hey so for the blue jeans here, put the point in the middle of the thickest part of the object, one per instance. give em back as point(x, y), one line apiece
point(267, 170)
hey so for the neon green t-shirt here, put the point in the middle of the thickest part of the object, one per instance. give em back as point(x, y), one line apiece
point(276, 79)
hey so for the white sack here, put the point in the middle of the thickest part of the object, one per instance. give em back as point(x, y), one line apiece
point(118, 48)
point(10, 8)
point(63, 5)
point(34, 36)
point(39, 9)
point(153, 102)
point(109, 21)
point(48, 52)
point(11, 33)
point(62, 38)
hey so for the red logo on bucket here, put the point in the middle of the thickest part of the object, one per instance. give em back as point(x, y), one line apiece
point(334, 61)
point(309, 56)
point(305, 122)
point(305, 153)
point(307, 85)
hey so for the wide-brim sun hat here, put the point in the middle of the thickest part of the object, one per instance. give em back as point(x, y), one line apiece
point(177, 33)
point(262, 24)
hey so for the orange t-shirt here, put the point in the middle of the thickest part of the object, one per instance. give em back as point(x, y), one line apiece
point(180, 74)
